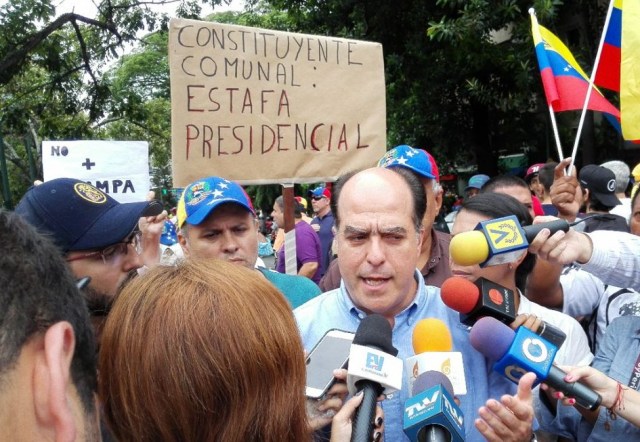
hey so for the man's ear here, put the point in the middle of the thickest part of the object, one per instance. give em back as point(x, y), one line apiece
point(52, 381)
point(184, 243)
point(438, 199)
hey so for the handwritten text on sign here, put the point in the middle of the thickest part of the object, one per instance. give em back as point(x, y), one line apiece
point(262, 106)
point(119, 168)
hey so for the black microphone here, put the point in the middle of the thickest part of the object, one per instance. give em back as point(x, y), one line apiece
point(431, 414)
point(522, 351)
point(373, 369)
point(487, 298)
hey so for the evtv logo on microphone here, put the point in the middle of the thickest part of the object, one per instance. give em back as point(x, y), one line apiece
point(375, 362)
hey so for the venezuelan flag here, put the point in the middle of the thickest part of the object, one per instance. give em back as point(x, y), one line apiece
point(565, 83)
point(608, 73)
point(630, 71)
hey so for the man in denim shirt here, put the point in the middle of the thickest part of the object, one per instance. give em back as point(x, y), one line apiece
point(378, 215)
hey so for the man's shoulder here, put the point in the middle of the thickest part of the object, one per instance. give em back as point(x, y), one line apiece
point(297, 289)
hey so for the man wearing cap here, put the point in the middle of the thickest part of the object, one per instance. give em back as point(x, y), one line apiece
point(216, 219)
point(97, 235)
point(599, 186)
point(434, 252)
point(322, 223)
point(475, 184)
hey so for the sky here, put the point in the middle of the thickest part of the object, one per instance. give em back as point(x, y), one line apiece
point(87, 7)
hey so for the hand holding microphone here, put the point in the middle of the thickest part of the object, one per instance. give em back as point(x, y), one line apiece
point(522, 351)
point(486, 298)
point(373, 369)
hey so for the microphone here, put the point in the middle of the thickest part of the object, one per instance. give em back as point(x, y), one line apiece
point(431, 414)
point(522, 351)
point(373, 369)
point(474, 300)
point(497, 241)
point(432, 346)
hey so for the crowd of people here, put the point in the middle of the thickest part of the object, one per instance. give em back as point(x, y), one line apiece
point(103, 337)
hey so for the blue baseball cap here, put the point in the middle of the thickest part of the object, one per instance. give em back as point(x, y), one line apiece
point(477, 181)
point(201, 197)
point(169, 234)
point(319, 192)
point(417, 160)
point(78, 216)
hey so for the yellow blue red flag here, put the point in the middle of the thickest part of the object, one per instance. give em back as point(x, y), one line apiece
point(565, 83)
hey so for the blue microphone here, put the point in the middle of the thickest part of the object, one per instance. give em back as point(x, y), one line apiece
point(431, 414)
point(522, 351)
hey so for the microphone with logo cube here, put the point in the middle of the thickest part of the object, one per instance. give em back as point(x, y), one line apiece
point(522, 351)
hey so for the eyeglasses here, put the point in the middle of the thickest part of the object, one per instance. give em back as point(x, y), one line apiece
point(317, 198)
point(110, 253)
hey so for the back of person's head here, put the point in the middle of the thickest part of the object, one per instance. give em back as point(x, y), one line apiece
point(500, 181)
point(38, 292)
point(418, 195)
point(298, 208)
point(497, 205)
point(622, 173)
point(207, 350)
point(546, 175)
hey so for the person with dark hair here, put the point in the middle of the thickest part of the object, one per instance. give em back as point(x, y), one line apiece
point(545, 175)
point(206, 351)
point(485, 206)
point(216, 219)
point(433, 261)
point(47, 346)
point(98, 236)
point(511, 185)
point(532, 179)
point(378, 214)
point(599, 186)
point(308, 248)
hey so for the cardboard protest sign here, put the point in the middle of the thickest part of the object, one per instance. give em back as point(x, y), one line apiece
point(261, 106)
point(118, 168)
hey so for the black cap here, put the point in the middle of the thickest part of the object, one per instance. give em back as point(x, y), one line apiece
point(601, 183)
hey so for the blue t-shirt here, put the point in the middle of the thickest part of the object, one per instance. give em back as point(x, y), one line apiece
point(326, 238)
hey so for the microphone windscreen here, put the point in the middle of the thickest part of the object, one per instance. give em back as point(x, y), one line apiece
point(469, 248)
point(431, 335)
point(430, 379)
point(491, 337)
point(460, 294)
point(375, 331)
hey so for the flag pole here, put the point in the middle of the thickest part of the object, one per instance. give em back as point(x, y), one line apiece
point(590, 88)
point(555, 132)
point(552, 114)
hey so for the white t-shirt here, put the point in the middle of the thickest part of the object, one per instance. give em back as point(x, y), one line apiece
point(586, 295)
point(575, 350)
point(623, 209)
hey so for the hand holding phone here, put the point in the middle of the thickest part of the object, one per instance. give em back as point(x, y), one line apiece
point(331, 352)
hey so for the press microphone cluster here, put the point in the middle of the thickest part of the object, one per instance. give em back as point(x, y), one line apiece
point(498, 241)
point(475, 300)
point(431, 414)
point(522, 351)
point(373, 369)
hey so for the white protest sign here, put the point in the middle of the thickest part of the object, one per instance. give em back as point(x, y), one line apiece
point(118, 168)
point(261, 106)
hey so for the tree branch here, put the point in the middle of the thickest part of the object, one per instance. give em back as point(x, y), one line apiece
point(16, 58)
